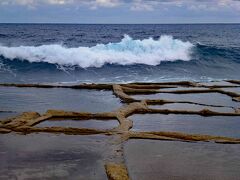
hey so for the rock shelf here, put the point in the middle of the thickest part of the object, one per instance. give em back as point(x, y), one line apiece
point(115, 168)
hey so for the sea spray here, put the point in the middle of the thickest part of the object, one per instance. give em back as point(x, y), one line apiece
point(126, 52)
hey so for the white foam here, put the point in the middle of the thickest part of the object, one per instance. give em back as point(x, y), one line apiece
point(126, 52)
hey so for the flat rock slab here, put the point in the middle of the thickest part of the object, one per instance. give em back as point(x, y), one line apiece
point(154, 160)
point(218, 83)
point(183, 88)
point(48, 156)
point(193, 124)
point(42, 99)
point(203, 98)
point(192, 107)
point(235, 90)
point(93, 124)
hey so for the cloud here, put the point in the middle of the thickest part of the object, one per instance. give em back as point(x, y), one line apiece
point(59, 1)
point(199, 5)
point(234, 4)
point(34, 2)
point(107, 3)
point(140, 5)
point(103, 3)
point(134, 5)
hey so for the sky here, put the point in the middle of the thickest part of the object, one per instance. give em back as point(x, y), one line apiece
point(120, 11)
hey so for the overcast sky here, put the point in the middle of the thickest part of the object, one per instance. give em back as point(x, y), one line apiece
point(119, 11)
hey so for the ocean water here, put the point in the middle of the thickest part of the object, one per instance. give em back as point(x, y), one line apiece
point(50, 53)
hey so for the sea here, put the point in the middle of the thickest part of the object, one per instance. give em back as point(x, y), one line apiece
point(118, 53)
point(66, 54)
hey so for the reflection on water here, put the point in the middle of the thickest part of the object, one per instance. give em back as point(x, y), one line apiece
point(204, 98)
point(4, 115)
point(235, 90)
point(48, 156)
point(218, 83)
point(192, 107)
point(97, 124)
point(212, 125)
point(180, 160)
point(40, 100)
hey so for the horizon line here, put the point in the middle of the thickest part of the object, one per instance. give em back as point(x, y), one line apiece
point(119, 23)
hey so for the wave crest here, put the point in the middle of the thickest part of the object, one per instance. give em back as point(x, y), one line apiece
point(126, 52)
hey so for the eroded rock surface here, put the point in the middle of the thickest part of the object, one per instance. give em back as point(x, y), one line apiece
point(228, 108)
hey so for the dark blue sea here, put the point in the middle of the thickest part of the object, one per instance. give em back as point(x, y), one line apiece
point(76, 53)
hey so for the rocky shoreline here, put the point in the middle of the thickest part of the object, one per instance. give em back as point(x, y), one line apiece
point(26, 122)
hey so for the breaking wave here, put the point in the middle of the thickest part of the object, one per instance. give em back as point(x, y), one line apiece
point(126, 52)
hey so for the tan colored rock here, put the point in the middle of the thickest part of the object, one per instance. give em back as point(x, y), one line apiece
point(236, 99)
point(116, 171)
point(3, 131)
